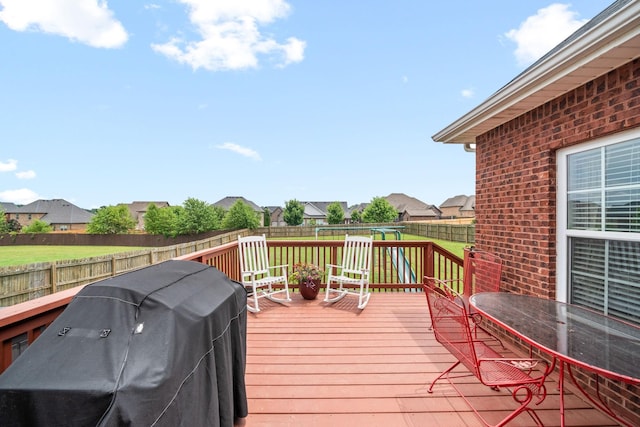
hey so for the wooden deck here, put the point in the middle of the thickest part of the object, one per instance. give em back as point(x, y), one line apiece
point(314, 364)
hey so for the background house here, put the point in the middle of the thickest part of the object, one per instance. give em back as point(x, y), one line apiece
point(8, 208)
point(229, 201)
point(315, 213)
point(558, 173)
point(411, 209)
point(138, 209)
point(460, 206)
point(275, 213)
point(58, 213)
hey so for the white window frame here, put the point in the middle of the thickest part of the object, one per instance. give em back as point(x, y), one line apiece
point(562, 234)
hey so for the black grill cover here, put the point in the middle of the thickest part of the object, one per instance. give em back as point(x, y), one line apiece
point(163, 346)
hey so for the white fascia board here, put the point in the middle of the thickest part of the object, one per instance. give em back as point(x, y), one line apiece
point(613, 32)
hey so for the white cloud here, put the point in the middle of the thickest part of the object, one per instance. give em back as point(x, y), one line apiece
point(229, 36)
point(467, 93)
point(244, 151)
point(540, 33)
point(22, 196)
point(9, 165)
point(89, 21)
point(405, 79)
point(26, 174)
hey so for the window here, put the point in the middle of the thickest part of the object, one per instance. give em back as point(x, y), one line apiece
point(599, 225)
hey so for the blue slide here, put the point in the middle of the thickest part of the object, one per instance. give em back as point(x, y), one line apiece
point(402, 266)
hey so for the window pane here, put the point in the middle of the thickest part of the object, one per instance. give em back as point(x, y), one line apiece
point(624, 280)
point(585, 211)
point(587, 273)
point(623, 164)
point(605, 276)
point(623, 210)
point(584, 170)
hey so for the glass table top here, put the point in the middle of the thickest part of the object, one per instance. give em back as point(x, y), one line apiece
point(569, 332)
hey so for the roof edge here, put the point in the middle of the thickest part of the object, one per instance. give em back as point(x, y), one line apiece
point(619, 24)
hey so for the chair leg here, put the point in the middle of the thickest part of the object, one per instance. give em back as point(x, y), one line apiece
point(255, 308)
point(363, 299)
point(341, 292)
point(442, 375)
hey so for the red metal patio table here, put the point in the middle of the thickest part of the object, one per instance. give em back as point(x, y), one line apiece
point(571, 334)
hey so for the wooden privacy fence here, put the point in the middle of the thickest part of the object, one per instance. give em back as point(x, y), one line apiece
point(24, 283)
point(464, 233)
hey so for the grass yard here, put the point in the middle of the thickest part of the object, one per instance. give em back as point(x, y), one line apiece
point(22, 255)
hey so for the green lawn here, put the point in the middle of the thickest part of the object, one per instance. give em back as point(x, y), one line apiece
point(22, 255)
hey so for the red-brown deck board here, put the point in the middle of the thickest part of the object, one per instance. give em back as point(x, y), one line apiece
point(315, 364)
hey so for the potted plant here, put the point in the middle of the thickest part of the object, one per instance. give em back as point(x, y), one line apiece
point(308, 276)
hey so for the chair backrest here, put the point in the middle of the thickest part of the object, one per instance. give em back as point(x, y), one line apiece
point(356, 255)
point(450, 324)
point(482, 272)
point(254, 255)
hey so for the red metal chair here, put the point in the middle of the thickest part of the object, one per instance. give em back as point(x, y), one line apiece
point(450, 322)
point(482, 273)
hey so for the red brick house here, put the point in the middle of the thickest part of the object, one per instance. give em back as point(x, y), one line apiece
point(558, 172)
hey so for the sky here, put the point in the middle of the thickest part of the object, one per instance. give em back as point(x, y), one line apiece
point(109, 102)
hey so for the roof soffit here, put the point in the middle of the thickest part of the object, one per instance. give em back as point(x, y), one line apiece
point(606, 45)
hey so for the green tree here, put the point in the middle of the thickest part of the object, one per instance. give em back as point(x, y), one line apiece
point(111, 220)
point(379, 210)
point(266, 217)
point(219, 214)
point(37, 226)
point(160, 220)
point(4, 226)
point(13, 225)
point(293, 213)
point(335, 213)
point(240, 215)
point(356, 216)
point(196, 217)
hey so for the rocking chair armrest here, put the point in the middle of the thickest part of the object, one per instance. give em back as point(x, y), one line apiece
point(331, 266)
point(283, 268)
point(250, 274)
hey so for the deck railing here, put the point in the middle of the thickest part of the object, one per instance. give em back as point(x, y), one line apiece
point(398, 266)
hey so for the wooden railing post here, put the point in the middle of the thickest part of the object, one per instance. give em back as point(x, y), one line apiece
point(428, 261)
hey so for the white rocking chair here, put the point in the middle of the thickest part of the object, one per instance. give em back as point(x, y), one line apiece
point(354, 270)
point(256, 274)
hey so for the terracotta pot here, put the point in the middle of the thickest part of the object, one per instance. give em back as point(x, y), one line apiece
point(309, 291)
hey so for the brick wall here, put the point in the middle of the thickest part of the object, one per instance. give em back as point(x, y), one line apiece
point(516, 182)
point(516, 173)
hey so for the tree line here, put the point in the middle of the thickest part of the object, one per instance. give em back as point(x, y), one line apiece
point(196, 216)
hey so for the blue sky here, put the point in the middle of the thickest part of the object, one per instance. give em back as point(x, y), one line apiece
point(113, 102)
